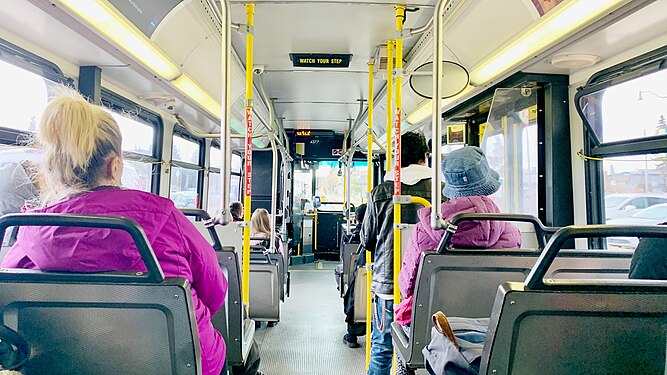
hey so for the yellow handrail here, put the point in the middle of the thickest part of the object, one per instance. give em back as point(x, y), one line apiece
point(369, 188)
point(390, 88)
point(400, 17)
point(420, 200)
point(247, 200)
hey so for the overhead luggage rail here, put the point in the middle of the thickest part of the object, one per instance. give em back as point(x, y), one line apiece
point(590, 327)
point(541, 231)
point(147, 322)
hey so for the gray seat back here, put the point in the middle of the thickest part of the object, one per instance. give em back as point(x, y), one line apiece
point(464, 283)
point(579, 327)
point(360, 295)
point(237, 331)
point(264, 292)
point(115, 322)
point(348, 250)
point(576, 332)
point(111, 328)
point(278, 260)
point(231, 235)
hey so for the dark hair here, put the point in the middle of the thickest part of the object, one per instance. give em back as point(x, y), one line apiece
point(413, 148)
point(236, 209)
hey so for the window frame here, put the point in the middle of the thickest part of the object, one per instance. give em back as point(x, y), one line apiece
point(209, 170)
point(634, 68)
point(26, 60)
point(120, 104)
point(201, 170)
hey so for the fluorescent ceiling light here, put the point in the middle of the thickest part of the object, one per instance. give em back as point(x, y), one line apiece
point(190, 88)
point(111, 23)
point(560, 22)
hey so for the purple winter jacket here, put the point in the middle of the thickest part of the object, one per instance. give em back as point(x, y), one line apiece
point(179, 247)
point(470, 234)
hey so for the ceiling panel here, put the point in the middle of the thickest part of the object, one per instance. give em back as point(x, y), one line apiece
point(326, 27)
point(646, 24)
point(487, 25)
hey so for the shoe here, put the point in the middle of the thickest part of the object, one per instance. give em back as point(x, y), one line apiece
point(350, 341)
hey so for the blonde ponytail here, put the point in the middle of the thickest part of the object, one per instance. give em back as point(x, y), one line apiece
point(77, 139)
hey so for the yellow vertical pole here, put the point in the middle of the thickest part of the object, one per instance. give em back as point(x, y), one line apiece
point(390, 89)
point(250, 13)
point(345, 204)
point(400, 17)
point(369, 188)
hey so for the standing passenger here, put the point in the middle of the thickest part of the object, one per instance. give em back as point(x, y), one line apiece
point(377, 236)
point(83, 158)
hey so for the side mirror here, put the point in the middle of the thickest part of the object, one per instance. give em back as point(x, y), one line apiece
point(629, 207)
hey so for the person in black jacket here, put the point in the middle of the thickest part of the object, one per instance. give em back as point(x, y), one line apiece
point(377, 236)
point(650, 259)
point(354, 329)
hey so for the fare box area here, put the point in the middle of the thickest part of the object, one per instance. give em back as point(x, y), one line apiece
point(320, 60)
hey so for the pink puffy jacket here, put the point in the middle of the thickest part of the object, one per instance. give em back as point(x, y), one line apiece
point(470, 234)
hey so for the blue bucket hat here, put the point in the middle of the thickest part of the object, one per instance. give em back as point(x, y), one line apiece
point(467, 173)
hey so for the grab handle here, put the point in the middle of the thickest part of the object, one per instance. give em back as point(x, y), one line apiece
point(154, 273)
point(535, 279)
point(540, 230)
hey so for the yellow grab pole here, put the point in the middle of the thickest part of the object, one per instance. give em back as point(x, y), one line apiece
point(400, 17)
point(345, 204)
point(420, 200)
point(250, 12)
point(369, 188)
point(390, 89)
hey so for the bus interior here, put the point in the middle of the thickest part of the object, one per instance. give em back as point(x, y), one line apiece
point(297, 107)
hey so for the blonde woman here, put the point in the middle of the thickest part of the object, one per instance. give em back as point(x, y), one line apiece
point(260, 227)
point(83, 157)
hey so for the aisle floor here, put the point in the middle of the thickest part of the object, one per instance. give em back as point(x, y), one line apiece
point(309, 337)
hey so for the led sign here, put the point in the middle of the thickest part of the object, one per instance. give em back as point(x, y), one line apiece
point(320, 60)
point(303, 133)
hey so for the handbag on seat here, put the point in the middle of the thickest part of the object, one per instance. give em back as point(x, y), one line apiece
point(456, 345)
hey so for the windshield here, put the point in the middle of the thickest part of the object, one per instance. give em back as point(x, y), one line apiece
point(613, 201)
point(657, 212)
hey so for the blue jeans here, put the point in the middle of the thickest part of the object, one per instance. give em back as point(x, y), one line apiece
point(381, 346)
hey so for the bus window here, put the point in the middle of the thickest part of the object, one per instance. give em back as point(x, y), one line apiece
point(303, 187)
point(23, 99)
point(330, 182)
point(631, 110)
point(185, 169)
point(626, 114)
point(138, 152)
point(214, 180)
point(510, 144)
